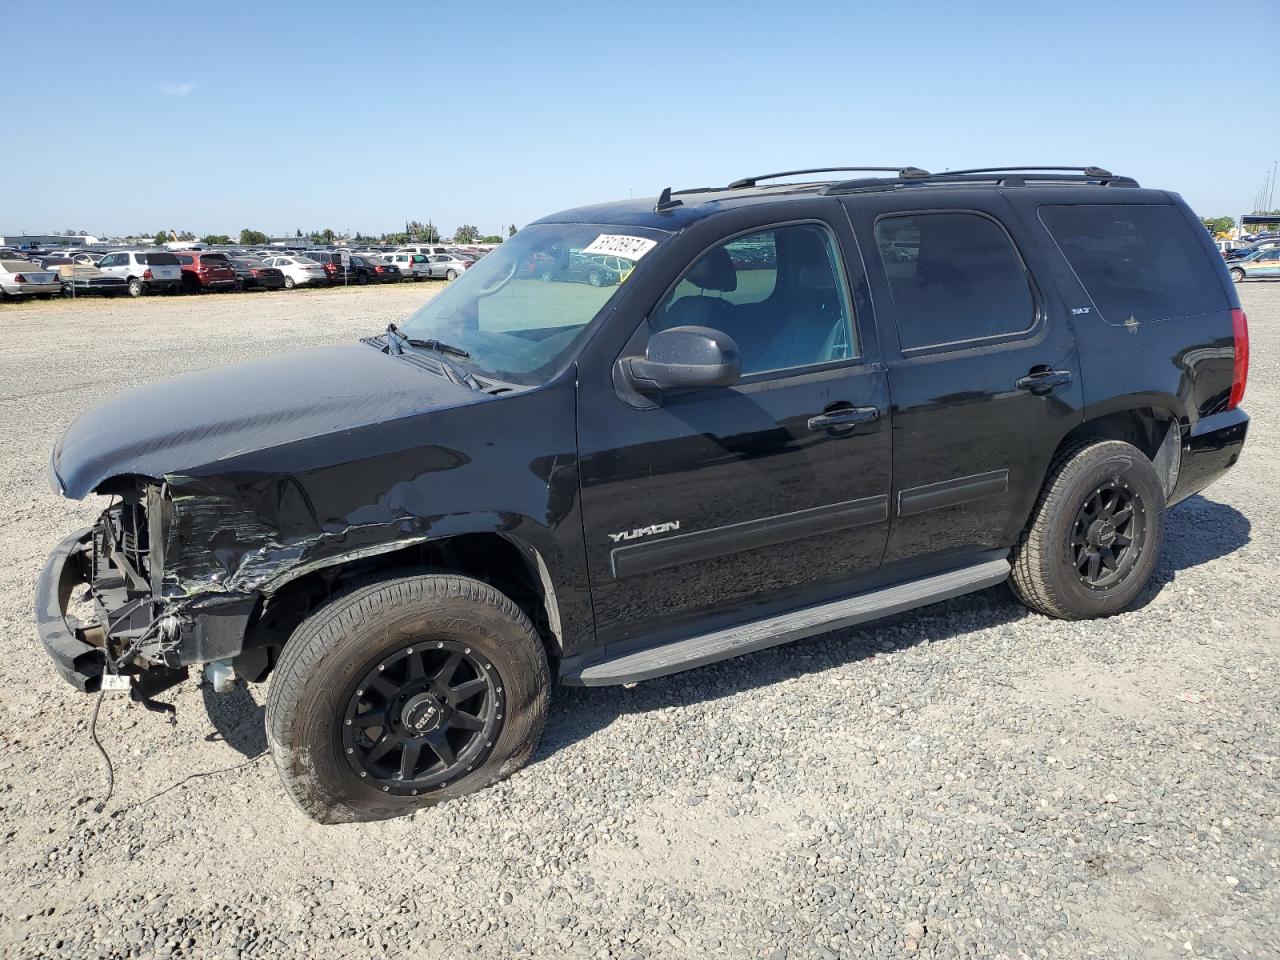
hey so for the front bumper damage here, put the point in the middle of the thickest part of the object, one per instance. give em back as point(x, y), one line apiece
point(158, 636)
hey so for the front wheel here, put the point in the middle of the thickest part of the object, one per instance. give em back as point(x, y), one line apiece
point(404, 693)
point(1094, 538)
point(451, 274)
point(136, 289)
point(1237, 275)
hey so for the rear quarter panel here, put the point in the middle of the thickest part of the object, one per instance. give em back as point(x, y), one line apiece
point(1180, 365)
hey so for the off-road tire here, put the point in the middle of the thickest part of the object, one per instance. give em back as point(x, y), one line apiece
point(333, 648)
point(1044, 577)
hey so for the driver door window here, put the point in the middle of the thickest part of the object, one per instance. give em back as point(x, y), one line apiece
point(779, 293)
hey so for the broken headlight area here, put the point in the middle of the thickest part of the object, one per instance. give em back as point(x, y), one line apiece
point(150, 624)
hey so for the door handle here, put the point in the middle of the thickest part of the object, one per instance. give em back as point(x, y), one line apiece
point(845, 416)
point(1041, 381)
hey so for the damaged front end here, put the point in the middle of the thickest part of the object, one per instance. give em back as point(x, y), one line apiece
point(143, 622)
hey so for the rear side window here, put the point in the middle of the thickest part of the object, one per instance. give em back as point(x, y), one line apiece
point(158, 259)
point(954, 278)
point(213, 258)
point(1136, 262)
point(185, 260)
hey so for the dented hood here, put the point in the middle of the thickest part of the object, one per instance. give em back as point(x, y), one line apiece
point(187, 424)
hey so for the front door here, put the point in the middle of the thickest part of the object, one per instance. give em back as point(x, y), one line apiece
point(983, 370)
point(724, 505)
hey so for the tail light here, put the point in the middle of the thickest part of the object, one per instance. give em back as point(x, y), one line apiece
point(19, 278)
point(1240, 333)
point(146, 274)
point(254, 272)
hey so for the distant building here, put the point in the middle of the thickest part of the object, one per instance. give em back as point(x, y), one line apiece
point(34, 241)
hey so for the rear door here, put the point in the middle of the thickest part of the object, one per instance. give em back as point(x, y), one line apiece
point(982, 365)
point(723, 505)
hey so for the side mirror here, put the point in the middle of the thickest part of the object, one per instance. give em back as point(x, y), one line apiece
point(684, 358)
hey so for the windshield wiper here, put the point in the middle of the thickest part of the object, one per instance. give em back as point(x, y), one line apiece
point(451, 371)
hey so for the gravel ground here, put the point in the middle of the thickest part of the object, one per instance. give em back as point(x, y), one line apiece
point(966, 780)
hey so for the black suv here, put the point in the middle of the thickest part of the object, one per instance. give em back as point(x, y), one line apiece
point(808, 405)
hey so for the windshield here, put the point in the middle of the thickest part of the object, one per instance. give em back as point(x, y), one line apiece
point(521, 309)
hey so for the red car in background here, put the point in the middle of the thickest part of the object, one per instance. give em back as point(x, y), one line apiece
point(205, 271)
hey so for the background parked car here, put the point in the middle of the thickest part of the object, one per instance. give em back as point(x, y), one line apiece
point(1258, 265)
point(599, 270)
point(332, 263)
point(143, 270)
point(447, 265)
point(83, 279)
point(23, 278)
point(202, 271)
point(413, 265)
point(253, 274)
point(367, 269)
point(299, 271)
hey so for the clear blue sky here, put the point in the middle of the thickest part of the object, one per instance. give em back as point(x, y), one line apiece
point(216, 116)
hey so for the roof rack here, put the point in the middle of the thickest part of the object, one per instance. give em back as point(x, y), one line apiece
point(1001, 176)
point(905, 173)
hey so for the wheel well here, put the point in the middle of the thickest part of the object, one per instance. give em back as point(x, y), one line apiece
point(1152, 430)
point(484, 556)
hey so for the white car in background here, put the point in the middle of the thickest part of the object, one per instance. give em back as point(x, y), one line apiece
point(411, 264)
point(22, 278)
point(144, 270)
point(299, 271)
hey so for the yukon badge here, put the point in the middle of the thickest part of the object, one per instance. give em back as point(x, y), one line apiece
point(645, 531)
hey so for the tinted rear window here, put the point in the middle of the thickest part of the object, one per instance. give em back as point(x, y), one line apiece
point(1136, 262)
point(158, 259)
point(214, 258)
point(954, 277)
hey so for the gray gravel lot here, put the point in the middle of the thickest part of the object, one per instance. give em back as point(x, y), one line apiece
point(967, 780)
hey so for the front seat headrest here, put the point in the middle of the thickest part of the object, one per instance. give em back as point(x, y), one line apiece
point(714, 272)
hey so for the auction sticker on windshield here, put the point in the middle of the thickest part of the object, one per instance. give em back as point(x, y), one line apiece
point(620, 245)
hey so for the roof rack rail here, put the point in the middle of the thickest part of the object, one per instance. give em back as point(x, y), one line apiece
point(1000, 176)
point(1092, 172)
point(906, 173)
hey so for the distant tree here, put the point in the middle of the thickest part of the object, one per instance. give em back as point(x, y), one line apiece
point(467, 233)
point(492, 238)
point(299, 233)
point(1216, 225)
point(186, 235)
point(215, 238)
point(323, 236)
point(425, 232)
point(511, 230)
point(252, 238)
point(161, 238)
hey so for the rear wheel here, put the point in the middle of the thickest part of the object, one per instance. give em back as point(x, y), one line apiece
point(1237, 275)
point(595, 278)
point(404, 693)
point(288, 283)
point(1095, 534)
point(136, 289)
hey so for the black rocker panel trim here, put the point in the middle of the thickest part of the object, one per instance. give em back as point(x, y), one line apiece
point(948, 493)
point(639, 558)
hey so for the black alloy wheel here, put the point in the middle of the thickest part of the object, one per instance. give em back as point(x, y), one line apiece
point(1107, 534)
point(424, 716)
